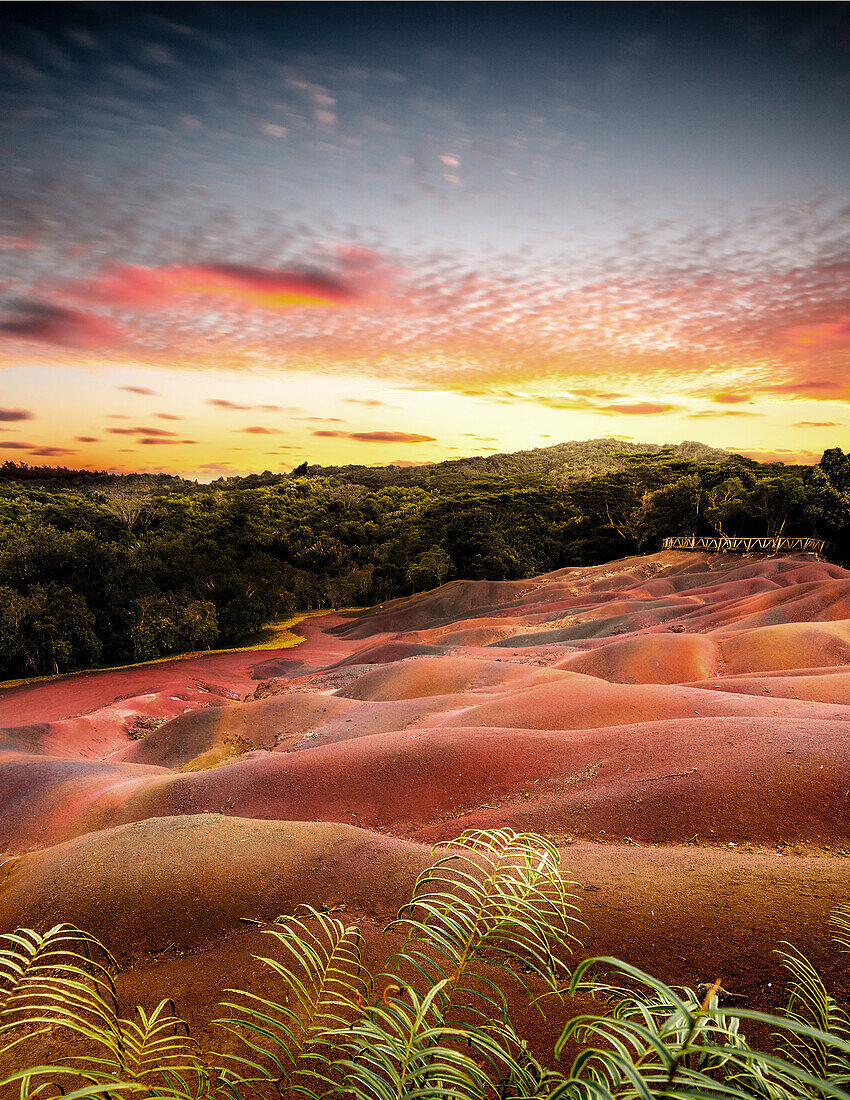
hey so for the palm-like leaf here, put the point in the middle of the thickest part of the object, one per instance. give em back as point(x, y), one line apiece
point(810, 1003)
point(61, 978)
point(653, 1040)
point(152, 1050)
point(400, 1051)
point(497, 897)
point(839, 922)
point(292, 1042)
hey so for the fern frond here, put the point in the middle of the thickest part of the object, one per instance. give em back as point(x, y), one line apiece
point(839, 922)
point(652, 1041)
point(810, 1003)
point(497, 897)
point(326, 986)
point(400, 1051)
point(61, 978)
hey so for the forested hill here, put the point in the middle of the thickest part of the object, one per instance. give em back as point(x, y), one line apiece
point(131, 568)
point(564, 462)
point(561, 463)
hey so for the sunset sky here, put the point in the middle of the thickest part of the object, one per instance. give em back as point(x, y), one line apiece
point(237, 236)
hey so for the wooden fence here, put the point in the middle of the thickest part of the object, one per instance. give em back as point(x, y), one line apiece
point(747, 545)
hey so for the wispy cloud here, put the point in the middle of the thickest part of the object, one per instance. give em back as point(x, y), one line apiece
point(12, 415)
point(376, 437)
point(161, 432)
point(233, 406)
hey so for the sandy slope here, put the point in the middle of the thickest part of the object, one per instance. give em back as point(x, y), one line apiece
point(700, 703)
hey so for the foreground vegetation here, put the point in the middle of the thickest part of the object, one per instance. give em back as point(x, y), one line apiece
point(493, 914)
point(130, 569)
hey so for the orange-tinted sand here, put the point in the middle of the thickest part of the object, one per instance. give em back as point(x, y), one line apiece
point(657, 716)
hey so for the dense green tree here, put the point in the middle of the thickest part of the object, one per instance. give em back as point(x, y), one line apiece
point(47, 629)
point(150, 566)
point(836, 465)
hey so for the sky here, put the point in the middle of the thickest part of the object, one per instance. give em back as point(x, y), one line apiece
point(237, 237)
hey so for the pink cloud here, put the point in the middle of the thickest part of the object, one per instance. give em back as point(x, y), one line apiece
point(141, 390)
point(804, 386)
point(264, 288)
point(10, 415)
point(53, 324)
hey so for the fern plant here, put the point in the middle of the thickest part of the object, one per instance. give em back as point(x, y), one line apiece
point(439, 1024)
point(61, 984)
point(497, 898)
point(292, 1042)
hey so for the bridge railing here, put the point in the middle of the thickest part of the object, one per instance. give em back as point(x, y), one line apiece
point(723, 544)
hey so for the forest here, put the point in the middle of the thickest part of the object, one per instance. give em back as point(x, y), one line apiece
point(104, 569)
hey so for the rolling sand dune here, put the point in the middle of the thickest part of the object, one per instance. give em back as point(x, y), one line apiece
point(679, 722)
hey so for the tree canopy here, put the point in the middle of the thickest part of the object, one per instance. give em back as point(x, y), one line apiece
point(134, 569)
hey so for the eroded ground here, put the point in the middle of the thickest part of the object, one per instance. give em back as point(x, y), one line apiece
point(678, 723)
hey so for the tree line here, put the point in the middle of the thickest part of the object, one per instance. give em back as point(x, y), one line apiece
point(132, 570)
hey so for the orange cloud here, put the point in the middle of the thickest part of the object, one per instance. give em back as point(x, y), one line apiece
point(709, 414)
point(783, 455)
point(139, 431)
point(819, 335)
point(376, 437)
point(391, 437)
point(233, 406)
point(642, 408)
point(263, 288)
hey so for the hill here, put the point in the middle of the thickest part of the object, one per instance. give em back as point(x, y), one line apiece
point(563, 462)
point(676, 723)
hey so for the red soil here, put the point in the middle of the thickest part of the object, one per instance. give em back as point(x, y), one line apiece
point(666, 700)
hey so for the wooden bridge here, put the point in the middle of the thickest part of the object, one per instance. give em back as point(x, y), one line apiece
point(761, 544)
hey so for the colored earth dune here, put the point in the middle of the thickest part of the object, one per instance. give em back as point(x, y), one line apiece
point(678, 723)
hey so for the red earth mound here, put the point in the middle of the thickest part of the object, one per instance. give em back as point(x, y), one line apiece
point(673, 699)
